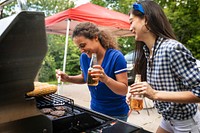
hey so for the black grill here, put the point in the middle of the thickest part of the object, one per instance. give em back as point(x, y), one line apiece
point(74, 119)
point(54, 100)
point(78, 119)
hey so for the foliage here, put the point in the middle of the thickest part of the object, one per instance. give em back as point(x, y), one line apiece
point(56, 46)
point(56, 43)
point(47, 71)
point(183, 15)
point(73, 64)
point(49, 7)
point(193, 44)
point(54, 55)
point(126, 44)
point(116, 5)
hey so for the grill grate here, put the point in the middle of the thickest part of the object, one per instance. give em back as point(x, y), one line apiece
point(53, 100)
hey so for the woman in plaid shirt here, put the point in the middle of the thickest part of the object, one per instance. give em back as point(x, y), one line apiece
point(169, 69)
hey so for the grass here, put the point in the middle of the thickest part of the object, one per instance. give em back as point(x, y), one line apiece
point(56, 82)
point(53, 82)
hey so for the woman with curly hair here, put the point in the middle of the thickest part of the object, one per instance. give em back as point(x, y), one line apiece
point(109, 96)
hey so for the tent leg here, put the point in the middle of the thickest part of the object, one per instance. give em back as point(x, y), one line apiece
point(59, 91)
point(66, 45)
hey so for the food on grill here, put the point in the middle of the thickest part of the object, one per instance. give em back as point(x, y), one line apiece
point(51, 117)
point(46, 110)
point(60, 108)
point(57, 113)
point(42, 89)
point(36, 84)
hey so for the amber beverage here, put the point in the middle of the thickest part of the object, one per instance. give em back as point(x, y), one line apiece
point(136, 102)
point(90, 81)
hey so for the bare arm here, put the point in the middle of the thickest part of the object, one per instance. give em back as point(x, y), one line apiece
point(118, 86)
point(78, 79)
point(143, 88)
point(180, 97)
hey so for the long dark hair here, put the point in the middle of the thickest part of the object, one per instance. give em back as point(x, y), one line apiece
point(91, 31)
point(158, 24)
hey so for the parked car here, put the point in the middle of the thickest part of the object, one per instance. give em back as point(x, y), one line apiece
point(130, 65)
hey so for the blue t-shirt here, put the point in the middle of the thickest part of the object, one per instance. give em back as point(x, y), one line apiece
point(103, 99)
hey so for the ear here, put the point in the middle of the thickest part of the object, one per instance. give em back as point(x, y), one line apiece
point(146, 21)
point(143, 22)
point(96, 38)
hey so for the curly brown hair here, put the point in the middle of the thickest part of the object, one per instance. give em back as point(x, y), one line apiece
point(91, 31)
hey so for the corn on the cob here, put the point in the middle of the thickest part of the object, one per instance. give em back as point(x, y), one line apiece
point(36, 84)
point(42, 89)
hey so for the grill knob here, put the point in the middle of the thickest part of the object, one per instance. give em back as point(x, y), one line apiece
point(44, 130)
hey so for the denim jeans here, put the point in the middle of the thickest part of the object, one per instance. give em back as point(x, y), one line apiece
point(121, 117)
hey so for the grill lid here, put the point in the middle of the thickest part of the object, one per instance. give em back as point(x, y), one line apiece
point(23, 46)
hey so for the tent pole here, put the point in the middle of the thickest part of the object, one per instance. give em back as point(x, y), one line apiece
point(66, 44)
point(65, 57)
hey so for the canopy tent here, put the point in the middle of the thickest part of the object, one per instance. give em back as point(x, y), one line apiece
point(65, 21)
point(113, 21)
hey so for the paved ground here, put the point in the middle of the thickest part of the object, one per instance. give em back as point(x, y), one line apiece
point(80, 94)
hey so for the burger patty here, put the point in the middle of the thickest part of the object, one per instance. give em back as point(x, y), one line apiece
point(57, 113)
point(46, 110)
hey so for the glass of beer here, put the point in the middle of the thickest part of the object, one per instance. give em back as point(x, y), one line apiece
point(90, 80)
point(136, 101)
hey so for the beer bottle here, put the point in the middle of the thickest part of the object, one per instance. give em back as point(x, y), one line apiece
point(90, 80)
point(137, 100)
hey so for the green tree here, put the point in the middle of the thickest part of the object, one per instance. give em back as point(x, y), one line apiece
point(183, 15)
point(56, 43)
point(54, 57)
point(72, 62)
point(49, 7)
point(126, 44)
point(47, 71)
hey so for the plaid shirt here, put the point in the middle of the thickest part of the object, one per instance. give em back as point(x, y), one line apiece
point(173, 69)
